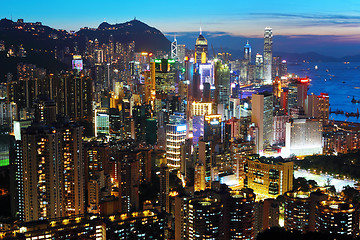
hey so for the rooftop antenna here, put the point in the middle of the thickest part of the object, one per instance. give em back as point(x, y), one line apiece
point(200, 28)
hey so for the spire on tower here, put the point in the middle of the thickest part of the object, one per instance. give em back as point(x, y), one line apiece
point(200, 30)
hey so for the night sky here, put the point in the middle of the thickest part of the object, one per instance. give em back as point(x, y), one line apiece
point(329, 27)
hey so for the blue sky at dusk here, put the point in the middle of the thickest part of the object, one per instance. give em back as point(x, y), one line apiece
point(306, 25)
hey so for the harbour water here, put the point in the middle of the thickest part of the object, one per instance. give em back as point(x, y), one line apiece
point(338, 79)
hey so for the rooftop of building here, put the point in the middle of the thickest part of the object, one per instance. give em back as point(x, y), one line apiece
point(268, 160)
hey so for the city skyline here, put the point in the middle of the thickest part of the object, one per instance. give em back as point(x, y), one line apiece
point(308, 26)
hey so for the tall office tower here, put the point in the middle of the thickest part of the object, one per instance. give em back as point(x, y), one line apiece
point(267, 55)
point(269, 177)
point(205, 158)
point(189, 76)
point(247, 52)
point(299, 213)
point(42, 189)
point(259, 68)
point(266, 214)
point(151, 131)
point(222, 86)
point(262, 116)
point(175, 137)
point(181, 52)
point(337, 217)
point(164, 75)
point(302, 89)
point(239, 216)
point(303, 137)
point(318, 107)
point(283, 68)
point(276, 67)
point(130, 183)
point(204, 216)
point(198, 128)
point(201, 49)
point(199, 177)
point(73, 166)
point(212, 128)
point(280, 129)
point(140, 114)
point(164, 188)
point(174, 49)
point(181, 214)
point(102, 123)
point(277, 89)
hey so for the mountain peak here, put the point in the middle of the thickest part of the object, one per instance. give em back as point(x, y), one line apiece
point(146, 38)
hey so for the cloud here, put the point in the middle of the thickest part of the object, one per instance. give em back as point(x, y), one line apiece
point(313, 19)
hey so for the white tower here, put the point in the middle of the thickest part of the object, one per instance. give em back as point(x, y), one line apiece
point(174, 49)
point(267, 55)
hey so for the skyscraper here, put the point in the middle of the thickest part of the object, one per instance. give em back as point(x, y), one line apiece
point(175, 137)
point(267, 55)
point(201, 49)
point(259, 67)
point(52, 172)
point(247, 52)
point(262, 116)
point(204, 218)
point(41, 174)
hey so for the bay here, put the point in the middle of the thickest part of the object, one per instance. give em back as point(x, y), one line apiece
point(340, 80)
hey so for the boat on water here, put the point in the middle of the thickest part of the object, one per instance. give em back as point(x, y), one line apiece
point(316, 67)
point(353, 100)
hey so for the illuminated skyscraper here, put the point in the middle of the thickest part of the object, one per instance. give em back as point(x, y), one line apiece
point(204, 218)
point(175, 137)
point(247, 52)
point(41, 174)
point(52, 171)
point(162, 72)
point(199, 177)
point(259, 67)
point(267, 55)
point(262, 116)
point(181, 52)
point(201, 49)
point(303, 137)
point(73, 176)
